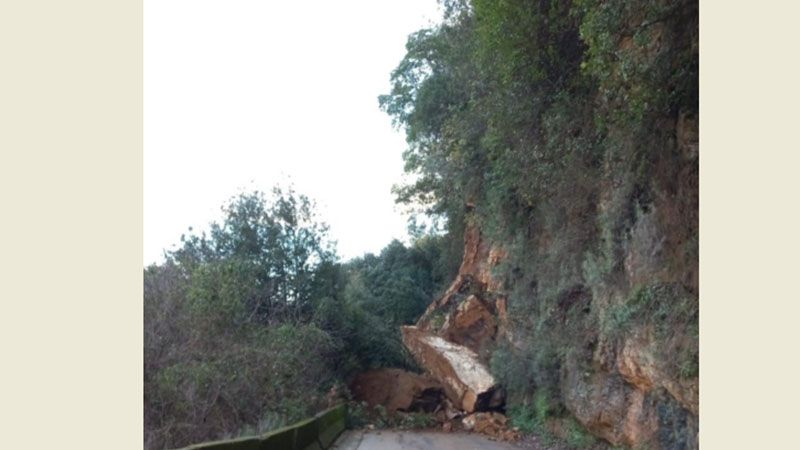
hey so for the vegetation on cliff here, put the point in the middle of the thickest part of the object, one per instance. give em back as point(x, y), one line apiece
point(567, 132)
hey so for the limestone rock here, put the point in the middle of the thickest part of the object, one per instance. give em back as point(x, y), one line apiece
point(466, 380)
point(631, 409)
point(450, 412)
point(639, 366)
point(602, 403)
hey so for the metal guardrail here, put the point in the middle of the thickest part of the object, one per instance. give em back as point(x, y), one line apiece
point(316, 433)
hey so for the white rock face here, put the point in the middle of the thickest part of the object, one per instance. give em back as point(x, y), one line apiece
point(467, 381)
point(464, 362)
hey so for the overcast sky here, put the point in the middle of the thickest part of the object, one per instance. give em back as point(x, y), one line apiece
point(242, 94)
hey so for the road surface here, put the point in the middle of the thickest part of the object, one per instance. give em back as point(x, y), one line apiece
point(416, 440)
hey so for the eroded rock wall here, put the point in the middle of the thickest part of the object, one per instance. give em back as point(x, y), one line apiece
point(620, 335)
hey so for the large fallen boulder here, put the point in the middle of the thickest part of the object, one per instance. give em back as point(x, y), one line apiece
point(397, 390)
point(466, 380)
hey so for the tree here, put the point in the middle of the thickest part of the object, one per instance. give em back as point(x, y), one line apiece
point(229, 342)
point(261, 264)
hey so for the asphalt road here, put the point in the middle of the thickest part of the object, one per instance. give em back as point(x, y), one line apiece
point(415, 440)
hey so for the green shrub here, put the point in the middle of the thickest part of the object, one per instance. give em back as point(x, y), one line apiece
point(525, 418)
point(357, 414)
point(415, 420)
point(577, 436)
point(381, 417)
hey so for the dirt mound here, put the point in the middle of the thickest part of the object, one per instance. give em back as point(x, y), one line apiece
point(397, 390)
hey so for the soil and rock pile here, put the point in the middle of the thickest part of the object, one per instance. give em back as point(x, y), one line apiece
point(398, 390)
point(451, 342)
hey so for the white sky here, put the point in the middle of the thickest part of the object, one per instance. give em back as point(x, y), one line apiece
point(244, 94)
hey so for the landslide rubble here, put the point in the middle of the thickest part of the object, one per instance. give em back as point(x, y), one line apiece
point(451, 343)
point(397, 390)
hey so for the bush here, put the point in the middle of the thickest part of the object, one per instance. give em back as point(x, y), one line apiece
point(577, 436)
point(415, 420)
point(249, 329)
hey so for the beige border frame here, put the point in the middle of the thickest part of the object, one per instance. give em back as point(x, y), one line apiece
point(71, 229)
point(71, 225)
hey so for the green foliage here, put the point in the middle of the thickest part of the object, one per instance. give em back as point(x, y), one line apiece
point(396, 285)
point(500, 75)
point(531, 417)
point(370, 341)
point(501, 104)
point(531, 379)
point(248, 328)
point(525, 418)
point(660, 304)
point(262, 263)
point(550, 120)
point(381, 417)
point(541, 406)
point(221, 291)
point(629, 53)
point(577, 436)
point(415, 420)
point(529, 42)
point(382, 293)
point(270, 376)
point(357, 415)
point(673, 314)
point(689, 365)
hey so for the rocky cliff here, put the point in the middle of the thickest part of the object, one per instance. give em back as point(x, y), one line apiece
point(615, 348)
point(620, 381)
point(562, 139)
